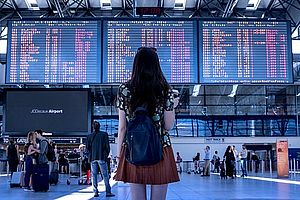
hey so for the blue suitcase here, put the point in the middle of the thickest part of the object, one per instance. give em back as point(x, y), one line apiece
point(40, 178)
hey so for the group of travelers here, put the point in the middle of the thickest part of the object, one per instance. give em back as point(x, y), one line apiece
point(42, 153)
point(206, 168)
point(36, 156)
point(229, 163)
point(232, 157)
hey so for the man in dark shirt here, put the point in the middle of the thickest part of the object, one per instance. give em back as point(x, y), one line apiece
point(12, 153)
point(98, 147)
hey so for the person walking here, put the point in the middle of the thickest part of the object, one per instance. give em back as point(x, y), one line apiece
point(229, 160)
point(243, 155)
point(236, 159)
point(216, 162)
point(12, 154)
point(206, 171)
point(148, 88)
point(178, 162)
point(98, 148)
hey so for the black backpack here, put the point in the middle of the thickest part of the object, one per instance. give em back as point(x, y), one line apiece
point(143, 144)
point(50, 154)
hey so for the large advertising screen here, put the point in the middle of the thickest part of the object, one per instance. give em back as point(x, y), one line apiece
point(60, 112)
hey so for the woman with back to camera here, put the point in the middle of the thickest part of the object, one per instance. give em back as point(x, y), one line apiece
point(149, 87)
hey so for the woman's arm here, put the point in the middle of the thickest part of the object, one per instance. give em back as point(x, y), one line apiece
point(121, 131)
point(169, 116)
point(30, 150)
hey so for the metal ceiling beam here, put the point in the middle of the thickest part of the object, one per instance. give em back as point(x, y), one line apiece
point(66, 8)
point(197, 11)
point(287, 12)
point(269, 7)
point(50, 5)
point(296, 23)
point(13, 3)
point(6, 17)
point(87, 4)
point(77, 7)
point(58, 8)
point(208, 5)
point(3, 4)
point(129, 4)
point(2, 30)
point(290, 4)
point(229, 8)
point(124, 11)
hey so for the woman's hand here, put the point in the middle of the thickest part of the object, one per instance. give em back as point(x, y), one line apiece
point(176, 102)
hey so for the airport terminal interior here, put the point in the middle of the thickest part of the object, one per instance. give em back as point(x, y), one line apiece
point(234, 64)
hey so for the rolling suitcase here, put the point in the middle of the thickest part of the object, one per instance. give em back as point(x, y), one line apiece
point(17, 179)
point(53, 179)
point(40, 178)
point(54, 175)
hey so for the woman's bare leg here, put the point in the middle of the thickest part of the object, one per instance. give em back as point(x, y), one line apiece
point(159, 192)
point(138, 191)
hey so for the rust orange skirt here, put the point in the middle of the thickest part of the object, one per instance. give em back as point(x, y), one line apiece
point(161, 173)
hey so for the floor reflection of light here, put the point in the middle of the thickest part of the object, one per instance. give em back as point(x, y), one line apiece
point(274, 180)
point(87, 193)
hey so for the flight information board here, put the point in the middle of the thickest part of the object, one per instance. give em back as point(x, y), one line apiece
point(175, 41)
point(256, 52)
point(53, 51)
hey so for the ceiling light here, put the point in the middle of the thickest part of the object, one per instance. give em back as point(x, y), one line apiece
point(196, 90)
point(234, 89)
point(179, 4)
point(32, 4)
point(253, 4)
point(105, 4)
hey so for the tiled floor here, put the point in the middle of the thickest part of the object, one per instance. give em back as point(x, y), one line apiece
point(191, 187)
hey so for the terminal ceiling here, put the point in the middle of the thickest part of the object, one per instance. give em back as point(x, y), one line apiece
point(274, 9)
point(279, 9)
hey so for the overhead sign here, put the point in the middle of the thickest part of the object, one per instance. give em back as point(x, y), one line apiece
point(149, 10)
point(214, 140)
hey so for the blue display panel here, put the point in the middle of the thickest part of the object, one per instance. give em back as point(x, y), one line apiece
point(62, 112)
point(53, 51)
point(175, 41)
point(256, 52)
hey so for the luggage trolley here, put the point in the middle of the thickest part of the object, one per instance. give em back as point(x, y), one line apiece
point(79, 168)
point(74, 169)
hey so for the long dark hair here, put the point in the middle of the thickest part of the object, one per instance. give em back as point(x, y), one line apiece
point(148, 85)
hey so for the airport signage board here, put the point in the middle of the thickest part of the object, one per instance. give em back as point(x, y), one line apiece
point(282, 158)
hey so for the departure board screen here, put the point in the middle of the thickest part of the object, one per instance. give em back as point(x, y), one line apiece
point(245, 52)
point(53, 51)
point(174, 40)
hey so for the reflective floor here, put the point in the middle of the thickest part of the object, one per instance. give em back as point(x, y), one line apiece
point(191, 187)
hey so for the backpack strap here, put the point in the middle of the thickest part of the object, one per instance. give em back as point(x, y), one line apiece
point(142, 110)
